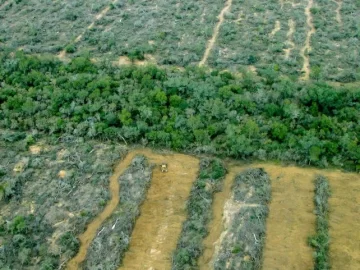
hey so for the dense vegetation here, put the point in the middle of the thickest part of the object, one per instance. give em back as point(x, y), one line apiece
point(321, 240)
point(206, 112)
point(199, 212)
point(245, 216)
point(112, 240)
point(42, 212)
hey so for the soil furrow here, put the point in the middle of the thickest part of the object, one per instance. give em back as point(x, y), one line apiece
point(213, 39)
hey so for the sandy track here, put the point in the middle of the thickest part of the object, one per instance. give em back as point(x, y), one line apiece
point(307, 47)
point(276, 28)
point(213, 39)
point(157, 229)
point(338, 11)
point(344, 220)
point(289, 36)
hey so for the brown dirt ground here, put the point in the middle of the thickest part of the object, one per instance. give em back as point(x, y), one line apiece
point(307, 47)
point(291, 218)
point(157, 229)
point(344, 220)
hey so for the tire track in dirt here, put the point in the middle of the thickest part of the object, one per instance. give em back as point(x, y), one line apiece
point(99, 16)
point(307, 47)
point(338, 11)
point(156, 231)
point(213, 39)
point(289, 36)
point(276, 28)
point(344, 220)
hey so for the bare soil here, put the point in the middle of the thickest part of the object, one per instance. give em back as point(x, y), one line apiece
point(213, 39)
point(307, 47)
point(338, 11)
point(344, 220)
point(291, 219)
point(276, 28)
point(157, 230)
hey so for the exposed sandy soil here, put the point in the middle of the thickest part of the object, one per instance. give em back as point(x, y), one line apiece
point(307, 47)
point(291, 218)
point(157, 230)
point(338, 11)
point(276, 28)
point(290, 41)
point(344, 220)
point(213, 39)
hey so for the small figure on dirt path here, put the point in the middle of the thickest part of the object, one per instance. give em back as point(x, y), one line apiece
point(164, 167)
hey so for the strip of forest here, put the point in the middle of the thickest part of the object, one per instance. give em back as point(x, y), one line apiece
point(265, 117)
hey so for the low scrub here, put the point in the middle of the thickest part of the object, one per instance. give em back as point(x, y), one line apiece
point(245, 216)
point(49, 191)
point(113, 238)
point(321, 240)
point(199, 213)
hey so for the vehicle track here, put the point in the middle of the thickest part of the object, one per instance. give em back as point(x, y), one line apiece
point(276, 28)
point(307, 47)
point(215, 35)
point(290, 41)
point(338, 11)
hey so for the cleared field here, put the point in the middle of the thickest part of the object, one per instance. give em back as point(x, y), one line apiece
point(156, 231)
point(344, 220)
point(291, 219)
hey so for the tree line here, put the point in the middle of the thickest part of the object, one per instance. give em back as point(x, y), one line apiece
point(266, 117)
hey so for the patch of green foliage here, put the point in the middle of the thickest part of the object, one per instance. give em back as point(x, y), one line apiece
point(269, 118)
point(242, 245)
point(199, 214)
point(321, 240)
point(23, 238)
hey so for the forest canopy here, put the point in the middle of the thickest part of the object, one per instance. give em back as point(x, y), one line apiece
point(266, 117)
